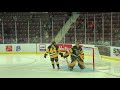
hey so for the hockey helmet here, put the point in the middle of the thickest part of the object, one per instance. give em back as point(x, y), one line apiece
point(53, 42)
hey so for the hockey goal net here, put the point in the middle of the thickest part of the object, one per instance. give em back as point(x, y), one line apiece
point(92, 58)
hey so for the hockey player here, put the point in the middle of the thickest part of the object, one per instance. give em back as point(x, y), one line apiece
point(77, 55)
point(53, 50)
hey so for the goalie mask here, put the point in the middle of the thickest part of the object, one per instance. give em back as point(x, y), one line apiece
point(77, 44)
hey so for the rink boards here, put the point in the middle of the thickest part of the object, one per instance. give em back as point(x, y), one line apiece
point(37, 48)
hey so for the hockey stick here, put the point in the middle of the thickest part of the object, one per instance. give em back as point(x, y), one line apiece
point(67, 61)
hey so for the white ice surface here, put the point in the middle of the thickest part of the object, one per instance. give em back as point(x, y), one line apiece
point(36, 66)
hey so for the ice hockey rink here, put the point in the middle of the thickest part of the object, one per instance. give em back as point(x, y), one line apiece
point(36, 66)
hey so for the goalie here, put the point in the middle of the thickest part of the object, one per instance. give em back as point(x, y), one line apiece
point(77, 56)
point(53, 50)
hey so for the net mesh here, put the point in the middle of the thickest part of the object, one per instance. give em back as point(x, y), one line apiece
point(93, 58)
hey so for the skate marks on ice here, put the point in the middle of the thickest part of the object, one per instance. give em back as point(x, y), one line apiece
point(37, 66)
point(114, 69)
point(108, 67)
point(77, 69)
point(10, 61)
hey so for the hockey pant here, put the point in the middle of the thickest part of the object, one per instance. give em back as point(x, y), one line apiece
point(74, 61)
point(56, 60)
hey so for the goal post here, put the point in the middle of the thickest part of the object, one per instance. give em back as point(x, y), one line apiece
point(93, 59)
point(91, 56)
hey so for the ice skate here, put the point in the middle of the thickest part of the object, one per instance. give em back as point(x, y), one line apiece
point(58, 68)
point(70, 69)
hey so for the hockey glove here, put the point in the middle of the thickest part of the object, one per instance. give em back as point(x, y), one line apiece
point(61, 54)
point(45, 55)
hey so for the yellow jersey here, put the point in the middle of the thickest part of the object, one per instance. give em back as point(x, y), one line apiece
point(53, 51)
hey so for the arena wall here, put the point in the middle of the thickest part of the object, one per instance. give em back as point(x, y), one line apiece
point(40, 49)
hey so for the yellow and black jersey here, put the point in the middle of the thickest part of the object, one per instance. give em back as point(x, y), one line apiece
point(53, 51)
point(77, 52)
point(66, 54)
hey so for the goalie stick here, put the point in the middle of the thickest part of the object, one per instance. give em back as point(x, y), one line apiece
point(67, 61)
